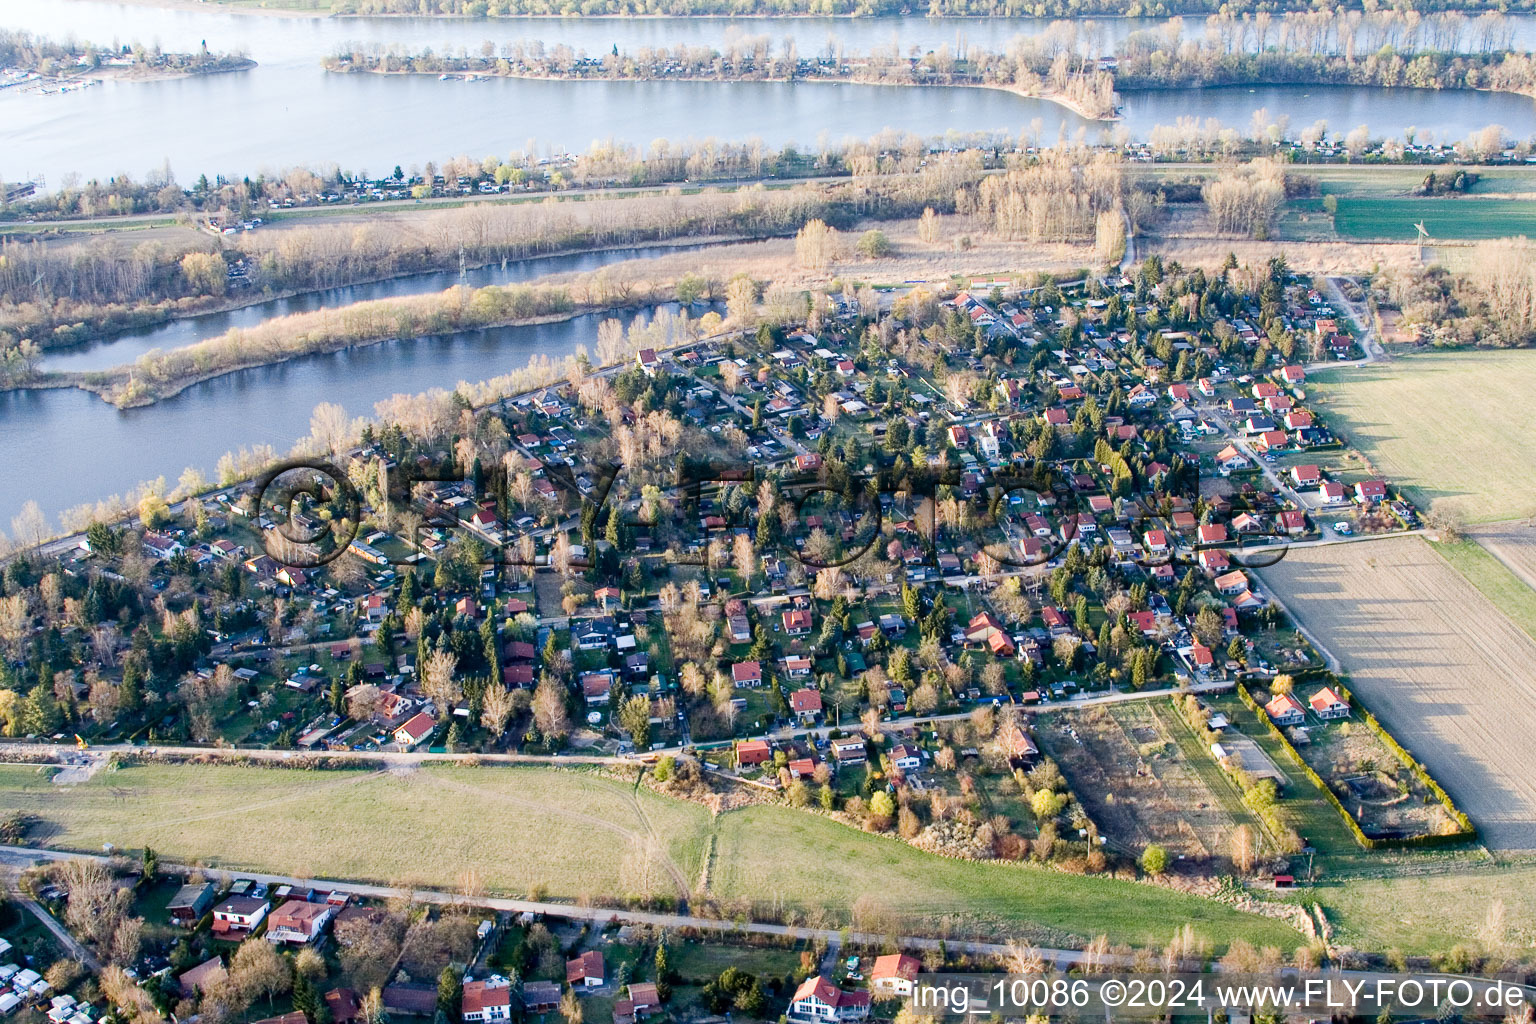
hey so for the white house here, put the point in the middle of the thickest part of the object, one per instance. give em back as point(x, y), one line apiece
point(817, 999)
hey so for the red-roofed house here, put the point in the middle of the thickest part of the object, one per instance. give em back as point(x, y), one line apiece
point(797, 621)
point(894, 974)
point(747, 673)
point(417, 728)
point(806, 703)
point(1285, 709)
point(586, 969)
point(1326, 703)
point(817, 999)
point(1213, 533)
point(1306, 476)
point(753, 752)
point(487, 1000)
point(1156, 542)
point(1367, 491)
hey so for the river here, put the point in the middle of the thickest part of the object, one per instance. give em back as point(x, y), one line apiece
point(65, 447)
point(288, 111)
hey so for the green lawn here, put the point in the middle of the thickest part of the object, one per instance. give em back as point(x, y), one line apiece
point(1485, 572)
point(1443, 424)
point(1431, 911)
point(1460, 219)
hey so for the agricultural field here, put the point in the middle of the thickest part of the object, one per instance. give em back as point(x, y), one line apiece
point(445, 826)
point(1441, 667)
point(1437, 424)
point(1497, 559)
point(1458, 219)
point(1140, 785)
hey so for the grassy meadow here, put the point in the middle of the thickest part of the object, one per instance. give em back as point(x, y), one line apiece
point(576, 834)
point(1445, 425)
point(1461, 219)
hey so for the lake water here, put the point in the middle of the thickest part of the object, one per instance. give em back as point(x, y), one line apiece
point(68, 447)
point(129, 345)
point(288, 111)
point(65, 447)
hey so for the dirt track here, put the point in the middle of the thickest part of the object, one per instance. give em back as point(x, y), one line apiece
point(1439, 665)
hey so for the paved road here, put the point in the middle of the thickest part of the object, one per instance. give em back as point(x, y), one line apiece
point(403, 757)
point(69, 942)
point(26, 857)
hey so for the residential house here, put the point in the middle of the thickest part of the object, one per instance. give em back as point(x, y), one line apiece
point(541, 996)
point(202, 977)
point(1019, 747)
point(414, 730)
point(1229, 458)
point(894, 974)
point(747, 673)
point(597, 687)
point(238, 916)
point(906, 757)
point(1306, 476)
point(797, 621)
point(849, 751)
point(1331, 492)
point(738, 626)
point(817, 999)
point(1367, 491)
point(1326, 703)
point(1156, 542)
point(796, 666)
point(750, 753)
point(1213, 533)
point(299, 922)
point(410, 1000)
point(488, 1000)
point(586, 970)
point(805, 703)
point(1285, 710)
point(345, 1006)
point(1234, 582)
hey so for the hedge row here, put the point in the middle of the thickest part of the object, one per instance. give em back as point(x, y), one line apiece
point(1466, 830)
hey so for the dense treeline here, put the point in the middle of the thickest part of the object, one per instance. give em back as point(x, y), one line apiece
point(26, 52)
point(864, 8)
point(156, 374)
point(57, 296)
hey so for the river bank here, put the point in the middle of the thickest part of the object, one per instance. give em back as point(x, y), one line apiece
point(1059, 99)
point(173, 311)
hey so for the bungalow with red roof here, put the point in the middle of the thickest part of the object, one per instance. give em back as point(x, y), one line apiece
point(1213, 533)
point(1178, 392)
point(415, 729)
point(1296, 419)
point(647, 361)
point(1332, 492)
point(1306, 476)
point(1293, 374)
point(1293, 521)
point(586, 969)
point(1156, 542)
point(753, 752)
point(797, 621)
point(747, 673)
point(806, 703)
point(1056, 417)
point(1213, 560)
point(894, 974)
point(1272, 440)
point(1234, 582)
point(1230, 458)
